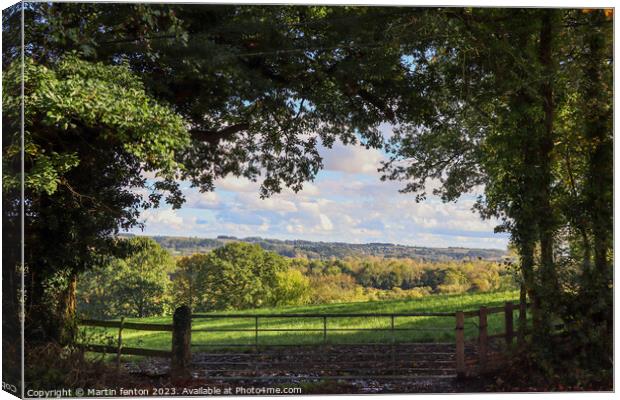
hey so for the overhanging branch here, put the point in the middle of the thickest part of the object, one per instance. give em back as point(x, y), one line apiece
point(214, 137)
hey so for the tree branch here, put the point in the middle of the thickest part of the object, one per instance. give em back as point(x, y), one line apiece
point(377, 102)
point(214, 137)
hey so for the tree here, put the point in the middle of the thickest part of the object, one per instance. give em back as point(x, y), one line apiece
point(235, 276)
point(250, 85)
point(91, 132)
point(455, 281)
point(334, 288)
point(587, 168)
point(292, 288)
point(495, 97)
point(506, 87)
point(136, 286)
point(186, 286)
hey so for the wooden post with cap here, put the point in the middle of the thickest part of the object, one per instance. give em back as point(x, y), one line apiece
point(181, 342)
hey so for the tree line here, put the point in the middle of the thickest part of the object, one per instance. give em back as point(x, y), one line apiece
point(325, 250)
point(150, 282)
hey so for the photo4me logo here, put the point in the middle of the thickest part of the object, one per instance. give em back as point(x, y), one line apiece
point(9, 387)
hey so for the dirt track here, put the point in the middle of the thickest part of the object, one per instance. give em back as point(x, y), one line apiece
point(402, 368)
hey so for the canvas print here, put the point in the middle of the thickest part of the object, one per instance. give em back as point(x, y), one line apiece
point(245, 199)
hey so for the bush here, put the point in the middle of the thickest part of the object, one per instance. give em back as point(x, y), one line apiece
point(292, 288)
point(455, 281)
point(51, 366)
point(335, 288)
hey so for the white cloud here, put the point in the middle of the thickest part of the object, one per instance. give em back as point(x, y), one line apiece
point(158, 218)
point(310, 207)
point(149, 174)
point(251, 201)
point(237, 184)
point(195, 199)
point(354, 206)
point(295, 229)
point(326, 223)
point(351, 159)
point(358, 209)
point(367, 232)
point(386, 130)
point(310, 189)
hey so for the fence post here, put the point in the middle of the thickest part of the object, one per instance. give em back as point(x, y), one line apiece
point(482, 338)
point(119, 345)
point(460, 344)
point(256, 333)
point(181, 341)
point(508, 322)
point(324, 330)
point(522, 316)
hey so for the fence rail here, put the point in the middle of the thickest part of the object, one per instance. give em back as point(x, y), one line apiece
point(462, 357)
point(119, 349)
point(328, 315)
point(325, 329)
point(127, 325)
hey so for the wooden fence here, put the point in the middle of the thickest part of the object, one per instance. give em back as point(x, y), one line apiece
point(322, 317)
point(482, 363)
point(180, 350)
point(478, 360)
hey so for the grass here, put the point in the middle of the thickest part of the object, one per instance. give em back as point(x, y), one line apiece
point(427, 329)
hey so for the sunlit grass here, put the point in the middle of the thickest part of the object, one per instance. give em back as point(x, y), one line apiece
point(426, 329)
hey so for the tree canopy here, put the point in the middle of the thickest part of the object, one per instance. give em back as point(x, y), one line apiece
point(90, 134)
point(520, 111)
point(249, 81)
point(237, 276)
point(135, 286)
point(517, 101)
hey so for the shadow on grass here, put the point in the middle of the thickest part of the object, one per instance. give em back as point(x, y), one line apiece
point(340, 330)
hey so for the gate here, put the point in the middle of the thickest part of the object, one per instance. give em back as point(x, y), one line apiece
point(323, 346)
point(330, 346)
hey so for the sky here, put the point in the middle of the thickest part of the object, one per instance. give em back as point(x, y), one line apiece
point(347, 202)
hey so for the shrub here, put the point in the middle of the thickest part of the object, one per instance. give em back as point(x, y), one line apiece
point(335, 288)
point(51, 366)
point(292, 288)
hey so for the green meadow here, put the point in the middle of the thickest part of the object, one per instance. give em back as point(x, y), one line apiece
point(310, 330)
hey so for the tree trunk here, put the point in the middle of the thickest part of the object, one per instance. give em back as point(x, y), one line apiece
point(66, 313)
point(599, 184)
point(50, 319)
point(598, 133)
point(526, 249)
point(547, 224)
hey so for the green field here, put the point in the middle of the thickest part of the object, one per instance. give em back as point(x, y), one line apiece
point(428, 329)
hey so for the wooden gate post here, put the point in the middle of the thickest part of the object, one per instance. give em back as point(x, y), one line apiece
point(460, 344)
point(181, 340)
point(482, 338)
point(508, 322)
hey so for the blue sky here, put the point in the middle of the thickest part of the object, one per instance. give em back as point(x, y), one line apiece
point(347, 202)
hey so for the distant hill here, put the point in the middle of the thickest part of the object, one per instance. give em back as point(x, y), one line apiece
point(327, 250)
